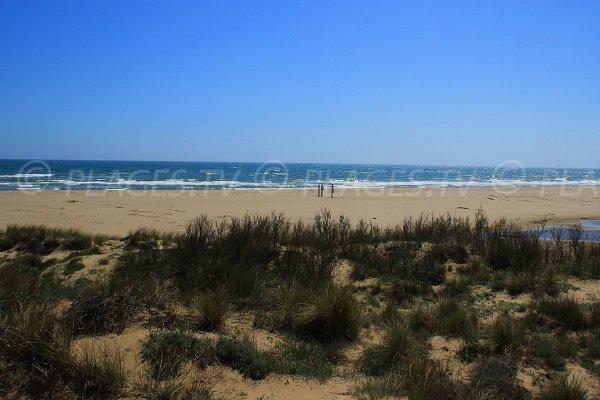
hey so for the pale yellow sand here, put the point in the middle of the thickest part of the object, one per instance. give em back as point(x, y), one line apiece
point(117, 212)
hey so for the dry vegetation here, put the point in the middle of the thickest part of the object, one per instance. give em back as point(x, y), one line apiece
point(435, 308)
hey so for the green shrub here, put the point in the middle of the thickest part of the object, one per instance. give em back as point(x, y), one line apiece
point(564, 388)
point(360, 271)
point(211, 310)
point(72, 266)
point(398, 344)
point(243, 356)
point(457, 286)
point(429, 379)
point(34, 342)
point(519, 283)
point(100, 373)
point(469, 351)
point(405, 289)
point(166, 351)
point(304, 359)
point(593, 319)
point(565, 311)
point(550, 284)
point(497, 376)
point(77, 241)
point(545, 349)
point(477, 268)
point(505, 333)
point(593, 347)
point(329, 314)
point(101, 313)
point(448, 317)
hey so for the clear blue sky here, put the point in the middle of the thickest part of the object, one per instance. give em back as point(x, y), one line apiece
point(401, 82)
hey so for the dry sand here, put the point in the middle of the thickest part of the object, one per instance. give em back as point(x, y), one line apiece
point(117, 212)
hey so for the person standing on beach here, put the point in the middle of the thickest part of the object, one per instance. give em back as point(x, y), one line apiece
point(332, 190)
point(319, 190)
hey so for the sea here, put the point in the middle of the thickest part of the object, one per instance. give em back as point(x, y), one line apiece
point(156, 175)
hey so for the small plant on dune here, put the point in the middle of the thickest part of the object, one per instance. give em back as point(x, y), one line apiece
point(497, 376)
point(429, 379)
point(562, 387)
point(477, 268)
point(457, 286)
point(505, 333)
point(73, 266)
point(360, 271)
point(518, 283)
point(404, 289)
point(470, 351)
point(38, 347)
point(167, 350)
point(329, 314)
point(565, 311)
point(448, 317)
point(210, 310)
point(545, 348)
point(185, 386)
point(100, 313)
point(549, 283)
point(397, 346)
point(77, 241)
point(243, 356)
point(100, 372)
point(145, 238)
point(593, 317)
point(389, 314)
point(304, 359)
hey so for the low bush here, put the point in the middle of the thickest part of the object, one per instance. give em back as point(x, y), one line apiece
point(210, 311)
point(566, 311)
point(545, 349)
point(329, 314)
point(37, 347)
point(429, 379)
point(167, 350)
point(505, 333)
point(73, 266)
point(303, 358)
point(100, 373)
point(564, 388)
point(100, 313)
point(405, 289)
point(497, 376)
point(243, 356)
point(448, 317)
point(477, 268)
point(398, 344)
point(516, 284)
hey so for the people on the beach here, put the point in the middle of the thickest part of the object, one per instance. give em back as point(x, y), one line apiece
point(321, 190)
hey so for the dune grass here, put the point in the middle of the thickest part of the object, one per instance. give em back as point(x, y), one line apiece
point(415, 280)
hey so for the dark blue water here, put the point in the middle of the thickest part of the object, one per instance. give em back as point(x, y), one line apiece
point(121, 175)
point(588, 233)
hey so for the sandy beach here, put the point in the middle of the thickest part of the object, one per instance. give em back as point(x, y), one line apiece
point(117, 212)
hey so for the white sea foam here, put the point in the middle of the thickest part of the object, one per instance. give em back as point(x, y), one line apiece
point(26, 176)
point(122, 184)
